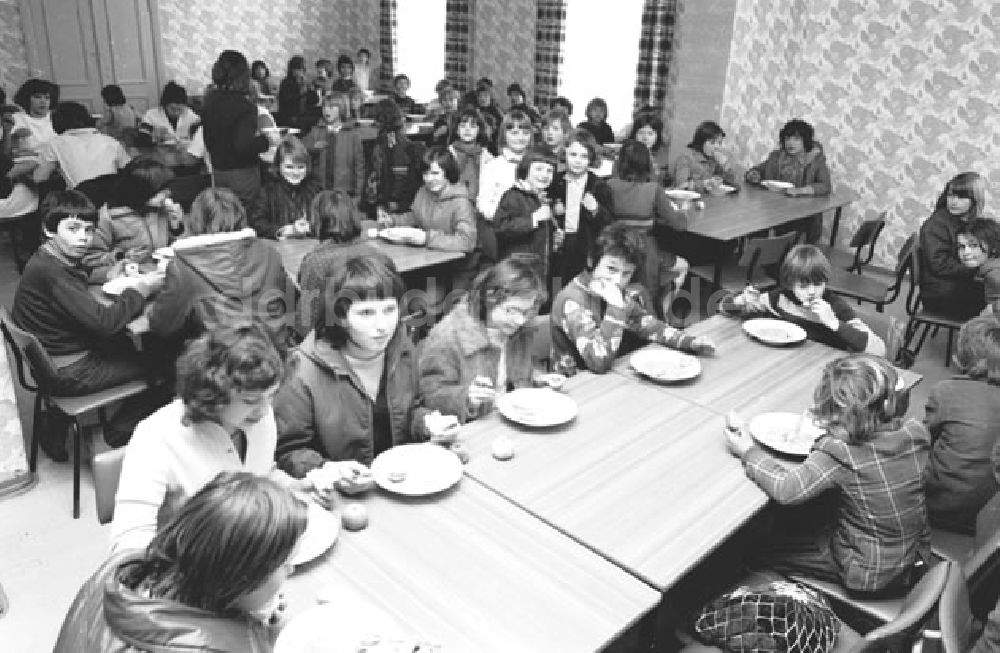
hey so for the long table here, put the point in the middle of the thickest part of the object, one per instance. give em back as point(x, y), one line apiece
point(406, 257)
point(470, 571)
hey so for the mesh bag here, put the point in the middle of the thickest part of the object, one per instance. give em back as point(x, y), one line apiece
point(781, 617)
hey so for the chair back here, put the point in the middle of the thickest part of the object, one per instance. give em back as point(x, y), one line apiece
point(763, 252)
point(866, 237)
point(917, 608)
point(184, 188)
point(955, 613)
point(886, 327)
point(28, 353)
point(107, 470)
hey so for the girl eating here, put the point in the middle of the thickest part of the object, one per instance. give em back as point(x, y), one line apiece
point(703, 165)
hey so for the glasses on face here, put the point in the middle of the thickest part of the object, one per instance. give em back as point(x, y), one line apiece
point(516, 311)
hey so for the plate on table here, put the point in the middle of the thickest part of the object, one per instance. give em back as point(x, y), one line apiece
point(322, 529)
point(537, 407)
point(723, 189)
point(164, 252)
point(774, 184)
point(665, 365)
point(774, 332)
point(681, 195)
point(359, 628)
point(788, 433)
point(118, 285)
point(416, 470)
point(366, 122)
point(399, 234)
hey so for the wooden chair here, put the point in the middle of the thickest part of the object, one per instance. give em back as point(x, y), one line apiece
point(758, 255)
point(921, 317)
point(863, 243)
point(866, 288)
point(107, 467)
point(31, 356)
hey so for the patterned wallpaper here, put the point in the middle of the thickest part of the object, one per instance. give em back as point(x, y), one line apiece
point(902, 94)
point(13, 57)
point(503, 46)
point(272, 30)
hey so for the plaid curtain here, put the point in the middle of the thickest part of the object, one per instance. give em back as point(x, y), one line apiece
point(550, 32)
point(656, 47)
point(457, 42)
point(387, 44)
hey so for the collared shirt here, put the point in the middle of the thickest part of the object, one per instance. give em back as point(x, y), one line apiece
point(83, 154)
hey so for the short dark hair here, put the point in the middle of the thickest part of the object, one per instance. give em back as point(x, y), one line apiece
point(442, 156)
point(399, 77)
point(324, 62)
point(223, 543)
point(223, 361)
point(334, 216)
point(599, 103)
point(618, 239)
point(70, 115)
point(508, 278)
point(484, 81)
point(297, 62)
point(804, 264)
point(359, 277)
point(388, 115)
point(61, 204)
point(344, 59)
point(173, 93)
point(986, 231)
point(215, 210)
point(470, 113)
point(230, 72)
point(538, 154)
point(113, 95)
point(365, 51)
point(648, 119)
point(35, 86)
point(705, 132)
point(257, 65)
point(442, 85)
point(634, 162)
point(141, 179)
point(800, 128)
point(515, 88)
point(587, 140)
point(561, 102)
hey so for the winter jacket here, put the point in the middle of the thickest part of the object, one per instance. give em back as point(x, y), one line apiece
point(395, 175)
point(323, 412)
point(515, 229)
point(279, 203)
point(571, 259)
point(989, 275)
point(108, 616)
point(602, 132)
point(120, 229)
point(458, 350)
point(340, 165)
point(694, 166)
point(230, 131)
point(942, 276)
point(815, 172)
point(223, 279)
point(447, 218)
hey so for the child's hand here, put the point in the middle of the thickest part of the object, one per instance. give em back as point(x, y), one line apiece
point(383, 217)
point(443, 429)
point(738, 441)
point(284, 232)
point(354, 478)
point(589, 202)
point(541, 214)
point(703, 345)
point(608, 291)
point(558, 238)
point(481, 392)
point(824, 313)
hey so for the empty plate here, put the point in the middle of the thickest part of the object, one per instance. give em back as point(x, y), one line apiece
point(774, 184)
point(537, 407)
point(774, 332)
point(665, 365)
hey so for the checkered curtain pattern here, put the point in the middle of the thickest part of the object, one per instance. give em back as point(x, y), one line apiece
point(387, 44)
point(550, 32)
point(656, 46)
point(457, 42)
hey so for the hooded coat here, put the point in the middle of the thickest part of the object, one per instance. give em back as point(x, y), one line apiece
point(447, 218)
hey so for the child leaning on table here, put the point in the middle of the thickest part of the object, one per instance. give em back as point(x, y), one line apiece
point(803, 299)
point(592, 314)
point(876, 540)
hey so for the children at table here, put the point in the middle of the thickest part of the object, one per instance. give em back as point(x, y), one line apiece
point(336, 147)
point(78, 152)
point(947, 286)
point(469, 147)
point(482, 347)
point(597, 121)
point(979, 249)
point(394, 177)
point(281, 209)
point(352, 392)
point(703, 163)
point(799, 160)
point(877, 540)
point(172, 121)
point(592, 314)
point(803, 299)
point(963, 416)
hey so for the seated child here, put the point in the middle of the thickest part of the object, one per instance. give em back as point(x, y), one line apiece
point(802, 298)
point(979, 249)
point(119, 119)
point(877, 538)
point(963, 416)
point(84, 338)
point(592, 314)
point(79, 152)
point(468, 145)
point(336, 147)
point(703, 164)
point(281, 207)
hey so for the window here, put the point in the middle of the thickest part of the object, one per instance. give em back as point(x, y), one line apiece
point(599, 56)
point(420, 41)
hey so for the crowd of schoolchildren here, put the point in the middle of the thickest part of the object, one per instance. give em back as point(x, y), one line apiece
point(513, 189)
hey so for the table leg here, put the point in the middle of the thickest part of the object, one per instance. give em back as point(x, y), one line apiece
point(720, 260)
point(835, 226)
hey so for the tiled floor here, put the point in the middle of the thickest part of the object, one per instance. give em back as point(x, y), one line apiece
point(45, 554)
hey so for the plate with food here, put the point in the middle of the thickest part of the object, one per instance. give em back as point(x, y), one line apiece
point(665, 365)
point(774, 184)
point(537, 407)
point(322, 529)
point(787, 433)
point(118, 285)
point(774, 332)
point(416, 469)
point(681, 195)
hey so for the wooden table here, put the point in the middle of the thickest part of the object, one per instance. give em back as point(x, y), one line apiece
point(406, 258)
point(641, 477)
point(473, 572)
point(748, 376)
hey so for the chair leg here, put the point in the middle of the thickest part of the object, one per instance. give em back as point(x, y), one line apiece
point(923, 336)
point(879, 308)
point(76, 468)
point(947, 349)
point(35, 426)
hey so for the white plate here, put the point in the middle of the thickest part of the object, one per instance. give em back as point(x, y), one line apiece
point(789, 433)
point(774, 332)
point(681, 195)
point(118, 285)
point(537, 407)
point(366, 122)
point(773, 184)
point(398, 234)
point(605, 168)
point(164, 252)
point(320, 534)
point(356, 626)
point(723, 189)
point(665, 364)
point(426, 468)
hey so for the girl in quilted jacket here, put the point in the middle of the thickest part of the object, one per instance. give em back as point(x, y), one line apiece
point(871, 534)
point(281, 208)
point(208, 581)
